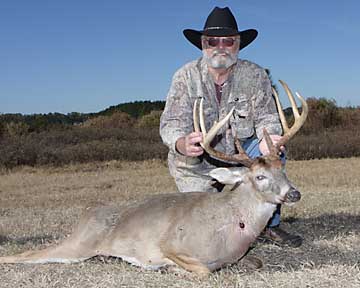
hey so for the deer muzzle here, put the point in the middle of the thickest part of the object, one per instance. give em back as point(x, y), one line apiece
point(292, 196)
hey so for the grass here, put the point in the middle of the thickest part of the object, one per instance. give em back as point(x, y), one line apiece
point(39, 206)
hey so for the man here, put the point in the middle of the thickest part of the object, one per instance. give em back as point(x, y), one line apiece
point(223, 81)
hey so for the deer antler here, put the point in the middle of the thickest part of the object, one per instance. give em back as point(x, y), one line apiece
point(299, 119)
point(241, 157)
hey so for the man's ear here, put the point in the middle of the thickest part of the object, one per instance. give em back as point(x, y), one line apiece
point(228, 176)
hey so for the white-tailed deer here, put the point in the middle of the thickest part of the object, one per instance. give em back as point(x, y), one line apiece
point(198, 231)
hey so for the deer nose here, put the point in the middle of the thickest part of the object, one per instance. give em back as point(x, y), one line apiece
point(292, 196)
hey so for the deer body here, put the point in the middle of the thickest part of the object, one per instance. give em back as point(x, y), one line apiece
point(212, 229)
point(204, 226)
point(198, 231)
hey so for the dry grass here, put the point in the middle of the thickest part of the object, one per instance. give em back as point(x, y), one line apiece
point(39, 206)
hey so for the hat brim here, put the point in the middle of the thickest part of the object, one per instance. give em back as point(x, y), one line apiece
point(246, 36)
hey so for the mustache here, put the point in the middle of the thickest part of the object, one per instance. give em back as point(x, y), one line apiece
point(216, 52)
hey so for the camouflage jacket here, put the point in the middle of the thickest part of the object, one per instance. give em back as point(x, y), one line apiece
point(248, 88)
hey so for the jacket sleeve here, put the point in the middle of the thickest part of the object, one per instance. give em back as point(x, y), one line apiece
point(265, 112)
point(176, 120)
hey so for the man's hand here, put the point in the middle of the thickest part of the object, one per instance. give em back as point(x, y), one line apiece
point(189, 144)
point(264, 149)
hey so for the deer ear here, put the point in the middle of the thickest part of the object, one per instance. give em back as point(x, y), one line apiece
point(228, 176)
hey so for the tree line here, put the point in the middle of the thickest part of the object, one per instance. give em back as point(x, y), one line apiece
point(50, 121)
point(130, 132)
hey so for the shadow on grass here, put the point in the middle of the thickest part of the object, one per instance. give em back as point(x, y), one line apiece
point(325, 226)
point(323, 243)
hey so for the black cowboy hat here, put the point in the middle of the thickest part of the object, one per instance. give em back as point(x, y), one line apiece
point(220, 22)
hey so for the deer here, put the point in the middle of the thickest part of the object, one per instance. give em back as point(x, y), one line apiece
point(198, 231)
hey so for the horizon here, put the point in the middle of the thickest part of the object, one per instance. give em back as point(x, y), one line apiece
point(85, 56)
point(288, 107)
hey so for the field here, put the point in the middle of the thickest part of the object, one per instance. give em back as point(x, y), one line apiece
point(39, 206)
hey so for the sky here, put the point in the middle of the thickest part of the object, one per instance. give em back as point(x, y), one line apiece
point(86, 55)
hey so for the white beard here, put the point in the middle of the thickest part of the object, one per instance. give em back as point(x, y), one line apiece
point(218, 60)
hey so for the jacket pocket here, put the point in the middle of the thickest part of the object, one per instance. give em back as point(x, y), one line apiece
point(242, 123)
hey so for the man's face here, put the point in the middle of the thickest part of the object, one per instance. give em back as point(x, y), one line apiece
point(220, 52)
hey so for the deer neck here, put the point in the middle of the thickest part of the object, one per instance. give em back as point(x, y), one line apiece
point(255, 211)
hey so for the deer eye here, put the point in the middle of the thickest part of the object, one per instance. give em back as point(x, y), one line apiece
point(260, 177)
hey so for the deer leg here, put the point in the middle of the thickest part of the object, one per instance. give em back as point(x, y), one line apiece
point(188, 263)
point(70, 251)
point(58, 254)
point(81, 245)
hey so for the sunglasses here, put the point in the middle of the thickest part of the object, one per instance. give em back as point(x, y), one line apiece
point(227, 42)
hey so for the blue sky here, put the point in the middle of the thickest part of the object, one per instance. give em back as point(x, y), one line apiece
point(86, 55)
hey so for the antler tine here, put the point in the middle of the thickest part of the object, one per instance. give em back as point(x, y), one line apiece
point(280, 111)
point(242, 157)
point(272, 148)
point(291, 98)
point(209, 136)
point(299, 119)
point(202, 121)
point(195, 117)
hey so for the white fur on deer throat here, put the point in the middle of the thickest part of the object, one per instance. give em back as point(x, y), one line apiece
point(266, 209)
point(264, 212)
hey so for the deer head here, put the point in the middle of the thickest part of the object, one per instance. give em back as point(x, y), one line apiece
point(266, 173)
